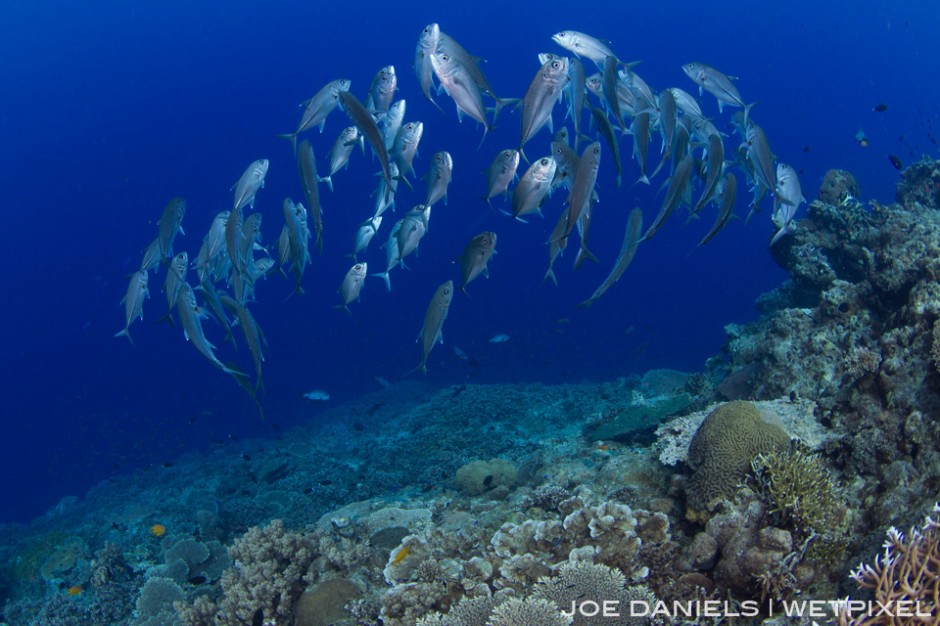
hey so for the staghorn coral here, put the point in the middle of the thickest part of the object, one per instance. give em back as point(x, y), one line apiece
point(723, 447)
point(907, 572)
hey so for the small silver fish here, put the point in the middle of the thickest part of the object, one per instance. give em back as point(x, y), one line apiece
point(361, 117)
point(584, 45)
point(254, 337)
point(760, 155)
point(133, 301)
point(533, 187)
point(541, 96)
point(191, 317)
point(309, 182)
point(175, 277)
point(250, 182)
point(461, 87)
point(428, 43)
point(406, 146)
point(631, 239)
point(717, 84)
point(582, 186)
point(788, 196)
point(152, 256)
point(729, 192)
point(392, 254)
point(352, 285)
point(679, 184)
point(365, 233)
point(382, 91)
point(391, 123)
point(341, 151)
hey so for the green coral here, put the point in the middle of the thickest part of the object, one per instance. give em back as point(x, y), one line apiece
point(801, 492)
point(723, 448)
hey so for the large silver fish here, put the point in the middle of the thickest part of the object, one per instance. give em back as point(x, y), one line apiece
point(233, 239)
point(365, 233)
point(582, 187)
point(760, 155)
point(254, 337)
point(631, 239)
point(449, 46)
point(729, 193)
point(251, 231)
point(175, 277)
point(133, 301)
point(641, 143)
point(382, 91)
point(413, 229)
point(678, 187)
point(715, 161)
point(352, 285)
point(341, 151)
point(788, 196)
point(686, 102)
point(476, 255)
point(668, 112)
point(717, 84)
point(292, 245)
point(439, 176)
point(361, 117)
point(606, 130)
point(391, 123)
point(171, 223)
point(309, 181)
point(566, 160)
point(461, 87)
point(215, 238)
point(533, 187)
point(392, 254)
point(584, 46)
point(576, 95)
point(428, 42)
point(152, 256)
point(406, 147)
point(557, 243)
point(500, 173)
point(541, 97)
point(385, 194)
point(249, 184)
point(434, 318)
point(610, 81)
point(191, 318)
point(214, 302)
point(317, 109)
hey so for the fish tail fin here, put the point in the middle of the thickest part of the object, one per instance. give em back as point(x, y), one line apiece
point(747, 112)
point(502, 103)
point(421, 368)
point(524, 157)
point(344, 308)
point(584, 253)
point(587, 303)
point(292, 138)
point(168, 318)
point(126, 333)
point(642, 179)
point(384, 276)
point(780, 233)
point(403, 179)
point(328, 180)
point(550, 274)
point(259, 385)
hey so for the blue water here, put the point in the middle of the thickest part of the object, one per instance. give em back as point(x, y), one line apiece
point(112, 108)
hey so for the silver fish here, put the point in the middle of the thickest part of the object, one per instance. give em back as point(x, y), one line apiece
point(606, 130)
point(686, 102)
point(309, 181)
point(582, 187)
point(476, 255)
point(413, 229)
point(439, 177)
point(175, 277)
point(610, 80)
point(292, 244)
point(434, 318)
point(249, 184)
point(382, 91)
point(678, 186)
point(584, 229)
point(729, 193)
point(341, 151)
point(584, 46)
point(251, 231)
point(365, 233)
point(392, 254)
point(352, 285)
point(215, 307)
point(714, 170)
point(461, 87)
point(557, 243)
point(191, 317)
point(758, 151)
point(133, 301)
point(540, 98)
point(406, 146)
point(361, 117)
point(631, 240)
point(566, 160)
point(717, 84)
point(642, 94)
point(428, 42)
point(385, 194)
point(317, 109)
point(152, 256)
point(171, 223)
point(391, 123)
point(533, 187)
point(667, 117)
point(216, 235)
point(788, 196)
point(500, 173)
point(448, 45)
point(595, 84)
point(562, 135)
point(254, 337)
point(233, 239)
point(641, 142)
point(576, 95)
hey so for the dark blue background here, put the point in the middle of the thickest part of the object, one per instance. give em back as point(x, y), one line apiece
point(111, 108)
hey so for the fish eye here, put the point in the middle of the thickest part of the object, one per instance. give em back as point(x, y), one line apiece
point(556, 65)
point(544, 161)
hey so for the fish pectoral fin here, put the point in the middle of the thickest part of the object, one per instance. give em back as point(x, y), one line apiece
point(440, 338)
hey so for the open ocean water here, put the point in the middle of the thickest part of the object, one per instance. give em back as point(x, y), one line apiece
point(110, 109)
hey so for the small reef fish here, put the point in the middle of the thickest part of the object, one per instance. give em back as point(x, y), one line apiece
point(498, 338)
point(317, 395)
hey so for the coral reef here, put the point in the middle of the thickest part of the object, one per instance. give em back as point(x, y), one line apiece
point(721, 452)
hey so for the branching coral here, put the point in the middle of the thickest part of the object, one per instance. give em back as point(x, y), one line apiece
point(906, 578)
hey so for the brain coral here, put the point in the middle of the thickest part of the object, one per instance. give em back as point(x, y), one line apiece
point(724, 446)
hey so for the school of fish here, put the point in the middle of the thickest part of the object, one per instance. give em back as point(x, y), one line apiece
point(603, 106)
